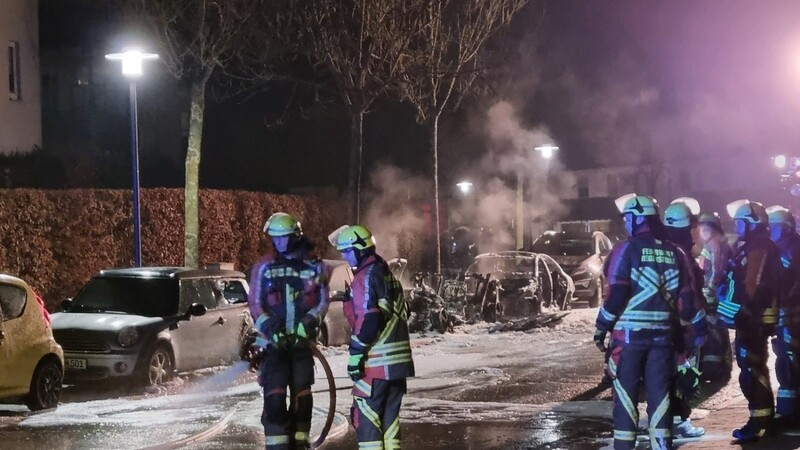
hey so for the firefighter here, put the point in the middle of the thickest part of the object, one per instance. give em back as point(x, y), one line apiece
point(648, 308)
point(288, 298)
point(747, 303)
point(380, 351)
point(786, 344)
point(680, 224)
point(716, 358)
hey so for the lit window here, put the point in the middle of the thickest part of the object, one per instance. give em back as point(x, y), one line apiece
point(13, 71)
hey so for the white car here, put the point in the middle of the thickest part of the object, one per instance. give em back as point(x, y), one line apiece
point(147, 323)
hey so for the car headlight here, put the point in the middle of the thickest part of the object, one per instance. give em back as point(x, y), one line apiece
point(128, 336)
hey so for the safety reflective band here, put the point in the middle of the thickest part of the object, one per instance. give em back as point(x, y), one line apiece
point(388, 360)
point(626, 402)
point(391, 444)
point(607, 315)
point(713, 358)
point(363, 386)
point(624, 435)
point(660, 432)
point(392, 432)
point(660, 412)
point(787, 393)
point(728, 309)
point(277, 440)
point(301, 436)
point(766, 412)
point(371, 415)
point(371, 445)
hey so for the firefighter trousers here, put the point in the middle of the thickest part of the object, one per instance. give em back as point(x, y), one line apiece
point(377, 418)
point(786, 344)
point(751, 356)
point(287, 429)
point(630, 365)
point(716, 358)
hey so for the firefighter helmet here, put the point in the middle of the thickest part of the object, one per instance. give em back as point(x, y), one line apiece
point(709, 218)
point(750, 212)
point(354, 236)
point(780, 215)
point(282, 224)
point(638, 205)
point(678, 215)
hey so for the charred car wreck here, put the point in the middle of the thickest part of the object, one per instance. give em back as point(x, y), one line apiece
point(501, 286)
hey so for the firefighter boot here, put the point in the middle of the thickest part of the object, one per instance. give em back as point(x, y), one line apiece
point(752, 430)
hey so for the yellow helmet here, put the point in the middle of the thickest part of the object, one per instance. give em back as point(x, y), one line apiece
point(780, 215)
point(750, 212)
point(282, 224)
point(354, 236)
point(638, 205)
point(678, 215)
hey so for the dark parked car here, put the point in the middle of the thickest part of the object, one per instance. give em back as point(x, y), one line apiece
point(582, 256)
point(150, 322)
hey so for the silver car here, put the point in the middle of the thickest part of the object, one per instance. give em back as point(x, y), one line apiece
point(147, 323)
point(335, 330)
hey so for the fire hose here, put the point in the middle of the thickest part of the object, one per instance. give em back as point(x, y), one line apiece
point(331, 394)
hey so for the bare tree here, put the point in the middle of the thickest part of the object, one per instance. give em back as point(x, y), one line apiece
point(198, 40)
point(444, 61)
point(358, 45)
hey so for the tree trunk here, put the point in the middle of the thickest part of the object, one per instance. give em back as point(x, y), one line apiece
point(437, 226)
point(354, 176)
point(191, 233)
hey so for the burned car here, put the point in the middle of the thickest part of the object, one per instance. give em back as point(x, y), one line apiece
point(515, 284)
point(581, 254)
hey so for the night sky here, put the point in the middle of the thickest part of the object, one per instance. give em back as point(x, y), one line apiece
point(613, 82)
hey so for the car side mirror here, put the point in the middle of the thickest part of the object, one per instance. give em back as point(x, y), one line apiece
point(338, 296)
point(196, 310)
point(65, 304)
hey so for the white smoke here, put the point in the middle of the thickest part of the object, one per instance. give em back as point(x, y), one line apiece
point(391, 211)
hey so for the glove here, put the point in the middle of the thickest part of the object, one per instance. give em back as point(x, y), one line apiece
point(255, 354)
point(600, 340)
point(280, 340)
point(308, 327)
point(688, 382)
point(355, 366)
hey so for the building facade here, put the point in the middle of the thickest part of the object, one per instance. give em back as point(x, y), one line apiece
point(20, 99)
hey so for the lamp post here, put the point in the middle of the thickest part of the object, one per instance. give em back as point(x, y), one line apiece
point(132, 69)
point(547, 152)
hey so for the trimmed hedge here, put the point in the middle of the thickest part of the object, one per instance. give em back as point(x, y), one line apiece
point(56, 240)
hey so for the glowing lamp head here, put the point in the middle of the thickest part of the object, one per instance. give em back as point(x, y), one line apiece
point(131, 61)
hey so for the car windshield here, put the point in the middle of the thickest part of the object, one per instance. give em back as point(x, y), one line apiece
point(493, 264)
point(150, 297)
point(560, 245)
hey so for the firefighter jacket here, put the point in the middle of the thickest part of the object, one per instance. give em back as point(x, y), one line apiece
point(652, 296)
point(713, 260)
point(789, 297)
point(283, 291)
point(749, 295)
point(377, 314)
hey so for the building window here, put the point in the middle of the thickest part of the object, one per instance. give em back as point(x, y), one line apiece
point(13, 71)
point(583, 187)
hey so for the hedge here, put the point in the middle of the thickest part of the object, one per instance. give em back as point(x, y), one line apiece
point(56, 240)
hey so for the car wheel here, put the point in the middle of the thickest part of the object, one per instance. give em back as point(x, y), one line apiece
point(322, 335)
point(597, 297)
point(45, 386)
point(158, 367)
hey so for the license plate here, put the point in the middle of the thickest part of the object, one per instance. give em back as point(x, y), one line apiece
point(76, 364)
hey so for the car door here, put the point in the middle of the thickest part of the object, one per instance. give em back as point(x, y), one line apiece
point(16, 367)
point(196, 340)
point(234, 317)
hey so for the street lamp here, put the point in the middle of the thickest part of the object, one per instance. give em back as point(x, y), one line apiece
point(465, 187)
point(779, 161)
point(547, 151)
point(132, 68)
